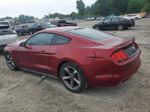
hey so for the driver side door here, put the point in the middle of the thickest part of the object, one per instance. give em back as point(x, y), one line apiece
point(35, 54)
point(106, 24)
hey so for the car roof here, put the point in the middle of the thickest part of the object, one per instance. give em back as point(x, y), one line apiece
point(62, 29)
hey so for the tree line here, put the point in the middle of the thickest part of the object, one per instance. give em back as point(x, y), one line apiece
point(99, 8)
point(105, 8)
point(116, 7)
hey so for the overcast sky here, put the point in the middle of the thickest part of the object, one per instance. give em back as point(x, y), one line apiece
point(38, 8)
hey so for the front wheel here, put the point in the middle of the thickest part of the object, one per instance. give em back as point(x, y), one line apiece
point(10, 62)
point(19, 33)
point(96, 27)
point(120, 27)
point(72, 77)
point(30, 32)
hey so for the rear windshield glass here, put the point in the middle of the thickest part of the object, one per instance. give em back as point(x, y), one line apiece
point(90, 34)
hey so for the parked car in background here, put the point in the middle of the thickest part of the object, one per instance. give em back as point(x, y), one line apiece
point(100, 18)
point(38, 26)
point(114, 23)
point(21, 29)
point(90, 18)
point(79, 57)
point(132, 16)
point(7, 34)
point(62, 23)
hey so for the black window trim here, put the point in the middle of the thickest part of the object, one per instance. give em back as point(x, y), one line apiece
point(52, 38)
point(38, 34)
point(63, 36)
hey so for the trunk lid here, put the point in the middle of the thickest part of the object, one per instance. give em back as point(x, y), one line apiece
point(114, 42)
point(106, 48)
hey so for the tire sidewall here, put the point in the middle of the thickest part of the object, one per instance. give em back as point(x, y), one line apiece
point(15, 66)
point(120, 29)
point(82, 77)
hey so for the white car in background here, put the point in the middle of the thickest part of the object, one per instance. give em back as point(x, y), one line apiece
point(7, 34)
point(132, 16)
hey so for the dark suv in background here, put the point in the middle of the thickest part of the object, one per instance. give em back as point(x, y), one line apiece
point(21, 29)
point(61, 23)
point(114, 23)
point(40, 26)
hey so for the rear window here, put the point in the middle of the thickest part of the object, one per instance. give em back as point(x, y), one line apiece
point(90, 34)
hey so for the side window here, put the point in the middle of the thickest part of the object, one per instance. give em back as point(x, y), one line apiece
point(40, 39)
point(59, 40)
point(106, 20)
point(115, 19)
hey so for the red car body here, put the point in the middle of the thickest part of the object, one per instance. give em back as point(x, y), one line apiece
point(97, 58)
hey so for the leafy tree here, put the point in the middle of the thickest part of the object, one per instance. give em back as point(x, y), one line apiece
point(146, 6)
point(135, 6)
point(80, 7)
point(118, 6)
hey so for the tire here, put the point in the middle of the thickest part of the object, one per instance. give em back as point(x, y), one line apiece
point(96, 27)
point(19, 33)
point(120, 27)
point(72, 77)
point(30, 32)
point(10, 62)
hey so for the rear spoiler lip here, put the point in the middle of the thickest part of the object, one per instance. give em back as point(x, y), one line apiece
point(114, 49)
point(130, 40)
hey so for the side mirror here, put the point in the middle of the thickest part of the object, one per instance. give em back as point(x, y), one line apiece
point(22, 44)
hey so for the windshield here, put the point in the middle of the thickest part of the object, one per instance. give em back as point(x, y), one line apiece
point(90, 34)
point(4, 23)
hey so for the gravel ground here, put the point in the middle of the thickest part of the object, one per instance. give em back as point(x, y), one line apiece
point(26, 92)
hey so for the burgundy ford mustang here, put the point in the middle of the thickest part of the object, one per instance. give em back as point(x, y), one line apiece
point(79, 57)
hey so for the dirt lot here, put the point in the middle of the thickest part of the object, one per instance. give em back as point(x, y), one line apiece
point(22, 91)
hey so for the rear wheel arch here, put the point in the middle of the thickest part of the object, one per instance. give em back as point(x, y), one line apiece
point(66, 61)
point(59, 66)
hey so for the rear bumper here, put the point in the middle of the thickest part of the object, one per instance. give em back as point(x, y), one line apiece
point(110, 80)
point(111, 75)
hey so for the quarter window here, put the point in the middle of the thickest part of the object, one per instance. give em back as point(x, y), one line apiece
point(40, 39)
point(107, 20)
point(59, 39)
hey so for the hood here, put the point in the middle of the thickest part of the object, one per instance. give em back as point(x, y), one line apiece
point(16, 43)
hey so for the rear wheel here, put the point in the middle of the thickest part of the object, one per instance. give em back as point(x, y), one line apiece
point(120, 27)
point(72, 77)
point(30, 32)
point(10, 62)
point(19, 33)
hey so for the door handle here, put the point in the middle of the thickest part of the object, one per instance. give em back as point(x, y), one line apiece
point(44, 52)
point(52, 53)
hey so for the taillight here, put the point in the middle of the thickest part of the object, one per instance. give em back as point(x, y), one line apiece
point(136, 44)
point(119, 56)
